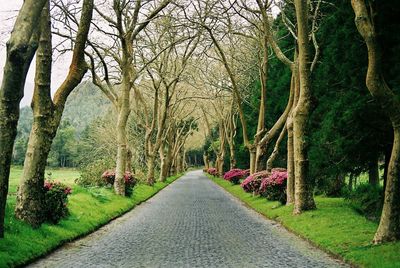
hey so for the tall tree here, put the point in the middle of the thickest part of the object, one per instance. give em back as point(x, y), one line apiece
point(21, 48)
point(126, 21)
point(304, 199)
point(48, 113)
point(389, 225)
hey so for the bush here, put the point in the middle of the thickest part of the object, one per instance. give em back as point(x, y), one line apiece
point(212, 171)
point(235, 175)
point(55, 201)
point(274, 186)
point(253, 182)
point(367, 200)
point(130, 181)
point(91, 175)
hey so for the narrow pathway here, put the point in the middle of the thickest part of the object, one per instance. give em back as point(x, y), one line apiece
point(191, 223)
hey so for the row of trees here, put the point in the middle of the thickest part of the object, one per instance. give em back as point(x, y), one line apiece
point(324, 143)
point(138, 54)
point(254, 72)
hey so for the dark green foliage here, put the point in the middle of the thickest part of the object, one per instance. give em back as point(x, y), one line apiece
point(64, 150)
point(194, 157)
point(349, 128)
point(367, 200)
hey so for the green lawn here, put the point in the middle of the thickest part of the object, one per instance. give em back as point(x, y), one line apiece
point(89, 209)
point(333, 227)
point(66, 176)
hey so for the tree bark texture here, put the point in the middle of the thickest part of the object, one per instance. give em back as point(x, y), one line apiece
point(304, 199)
point(48, 114)
point(295, 87)
point(30, 196)
point(21, 48)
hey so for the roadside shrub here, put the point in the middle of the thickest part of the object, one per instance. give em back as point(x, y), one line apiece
point(235, 175)
point(367, 200)
point(108, 176)
point(278, 169)
point(91, 175)
point(253, 182)
point(274, 186)
point(55, 201)
point(212, 171)
point(130, 181)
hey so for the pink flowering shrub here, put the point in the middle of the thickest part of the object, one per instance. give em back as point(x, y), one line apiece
point(253, 182)
point(278, 169)
point(109, 176)
point(55, 200)
point(130, 181)
point(274, 186)
point(235, 175)
point(212, 171)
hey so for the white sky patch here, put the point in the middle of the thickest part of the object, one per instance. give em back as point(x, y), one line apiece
point(8, 13)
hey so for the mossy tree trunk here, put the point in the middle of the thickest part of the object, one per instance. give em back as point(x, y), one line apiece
point(295, 87)
point(304, 199)
point(30, 197)
point(48, 114)
point(21, 48)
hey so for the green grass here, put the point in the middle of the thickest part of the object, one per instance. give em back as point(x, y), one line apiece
point(90, 208)
point(333, 227)
point(65, 175)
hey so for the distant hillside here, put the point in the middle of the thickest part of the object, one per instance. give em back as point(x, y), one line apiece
point(85, 104)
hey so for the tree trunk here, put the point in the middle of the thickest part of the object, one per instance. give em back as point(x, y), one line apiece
point(304, 199)
point(232, 157)
point(150, 170)
point(47, 115)
point(389, 225)
point(275, 152)
point(373, 172)
point(294, 87)
point(220, 164)
point(290, 163)
point(178, 163)
point(206, 161)
point(21, 48)
point(30, 196)
point(388, 153)
point(165, 164)
point(184, 164)
point(351, 179)
point(129, 160)
point(119, 183)
point(253, 153)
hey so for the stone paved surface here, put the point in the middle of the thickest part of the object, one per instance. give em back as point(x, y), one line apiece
point(191, 223)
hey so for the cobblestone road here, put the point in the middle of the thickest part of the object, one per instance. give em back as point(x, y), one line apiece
point(191, 223)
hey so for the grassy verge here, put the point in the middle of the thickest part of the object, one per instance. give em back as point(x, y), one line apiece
point(90, 208)
point(333, 227)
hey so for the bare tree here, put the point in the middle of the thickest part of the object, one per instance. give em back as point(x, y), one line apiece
point(126, 21)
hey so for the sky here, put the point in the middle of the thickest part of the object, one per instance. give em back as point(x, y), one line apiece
point(8, 12)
